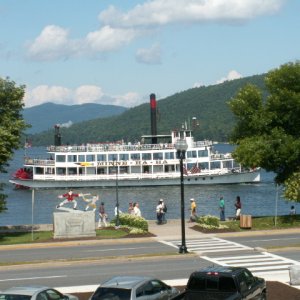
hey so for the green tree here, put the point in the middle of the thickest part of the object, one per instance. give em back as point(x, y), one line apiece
point(11, 125)
point(267, 130)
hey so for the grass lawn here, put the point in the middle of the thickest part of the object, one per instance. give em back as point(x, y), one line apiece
point(13, 238)
point(266, 223)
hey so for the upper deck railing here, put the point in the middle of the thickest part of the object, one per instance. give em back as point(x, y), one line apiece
point(110, 147)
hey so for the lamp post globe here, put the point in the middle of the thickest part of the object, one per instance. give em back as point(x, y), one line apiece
point(181, 147)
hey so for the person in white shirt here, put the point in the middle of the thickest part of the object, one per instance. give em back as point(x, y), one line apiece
point(136, 210)
point(116, 210)
point(159, 212)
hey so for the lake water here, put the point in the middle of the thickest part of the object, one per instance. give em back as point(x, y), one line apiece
point(257, 199)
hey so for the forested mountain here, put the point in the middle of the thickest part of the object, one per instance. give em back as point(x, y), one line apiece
point(45, 116)
point(207, 104)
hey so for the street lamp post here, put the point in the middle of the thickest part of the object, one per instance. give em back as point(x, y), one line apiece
point(181, 147)
point(117, 198)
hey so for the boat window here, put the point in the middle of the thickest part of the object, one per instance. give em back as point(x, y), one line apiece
point(90, 157)
point(158, 155)
point(123, 156)
point(101, 157)
point(146, 156)
point(113, 170)
point(60, 158)
point(169, 155)
point(72, 158)
point(101, 170)
point(169, 168)
point(81, 158)
point(61, 171)
point(202, 153)
point(227, 164)
point(190, 154)
point(112, 157)
point(215, 165)
point(235, 164)
point(72, 171)
point(135, 156)
point(123, 170)
point(203, 165)
point(39, 170)
point(49, 171)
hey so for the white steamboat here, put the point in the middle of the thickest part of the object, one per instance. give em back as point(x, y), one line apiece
point(134, 165)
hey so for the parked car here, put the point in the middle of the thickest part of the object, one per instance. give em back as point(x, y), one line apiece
point(34, 292)
point(132, 288)
point(224, 283)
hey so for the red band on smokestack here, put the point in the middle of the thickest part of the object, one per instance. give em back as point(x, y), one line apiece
point(153, 118)
point(152, 101)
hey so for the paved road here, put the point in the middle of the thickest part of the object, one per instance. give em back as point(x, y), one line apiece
point(84, 250)
point(91, 273)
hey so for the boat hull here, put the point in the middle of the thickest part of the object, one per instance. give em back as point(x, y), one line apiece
point(195, 179)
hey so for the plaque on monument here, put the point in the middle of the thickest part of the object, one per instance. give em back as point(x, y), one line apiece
point(74, 223)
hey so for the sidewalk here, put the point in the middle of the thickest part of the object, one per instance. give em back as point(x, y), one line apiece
point(172, 230)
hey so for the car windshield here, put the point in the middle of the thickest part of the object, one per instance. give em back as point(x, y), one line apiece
point(14, 297)
point(103, 293)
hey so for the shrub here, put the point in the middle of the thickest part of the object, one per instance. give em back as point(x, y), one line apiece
point(131, 221)
point(209, 222)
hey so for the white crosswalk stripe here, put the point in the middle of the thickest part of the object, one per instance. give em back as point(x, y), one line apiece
point(260, 262)
point(209, 245)
point(257, 262)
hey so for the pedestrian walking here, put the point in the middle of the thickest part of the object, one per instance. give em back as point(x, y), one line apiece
point(293, 210)
point(164, 211)
point(222, 208)
point(130, 208)
point(136, 209)
point(238, 207)
point(102, 216)
point(159, 212)
point(193, 210)
point(117, 210)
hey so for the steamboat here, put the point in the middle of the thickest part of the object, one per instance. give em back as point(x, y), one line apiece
point(153, 163)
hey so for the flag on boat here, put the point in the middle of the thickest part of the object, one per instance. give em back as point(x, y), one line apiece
point(195, 169)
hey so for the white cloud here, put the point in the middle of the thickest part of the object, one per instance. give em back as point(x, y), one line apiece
point(88, 94)
point(52, 43)
point(130, 99)
point(44, 93)
point(108, 38)
point(121, 28)
point(163, 12)
point(230, 76)
point(80, 95)
point(150, 56)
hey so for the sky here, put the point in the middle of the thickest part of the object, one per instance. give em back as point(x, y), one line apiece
point(119, 52)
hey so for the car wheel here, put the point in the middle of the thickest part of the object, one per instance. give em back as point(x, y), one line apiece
point(263, 296)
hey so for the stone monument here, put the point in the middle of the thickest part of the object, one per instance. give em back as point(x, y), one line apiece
point(70, 223)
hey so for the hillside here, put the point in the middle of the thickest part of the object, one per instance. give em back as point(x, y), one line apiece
point(45, 116)
point(207, 104)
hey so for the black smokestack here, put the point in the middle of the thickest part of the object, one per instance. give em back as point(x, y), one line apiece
point(57, 136)
point(153, 118)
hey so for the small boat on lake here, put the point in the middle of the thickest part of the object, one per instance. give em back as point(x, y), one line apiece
point(153, 163)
